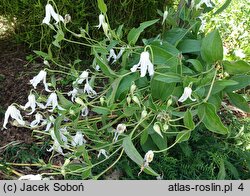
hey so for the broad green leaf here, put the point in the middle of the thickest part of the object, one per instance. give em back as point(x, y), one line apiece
point(215, 100)
point(207, 114)
point(114, 86)
point(101, 110)
point(188, 120)
point(232, 169)
point(196, 64)
point(238, 101)
point(243, 81)
point(134, 33)
point(160, 142)
point(237, 67)
point(133, 154)
point(144, 137)
point(42, 54)
point(183, 136)
point(189, 46)
point(222, 171)
point(57, 126)
point(219, 85)
point(104, 66)
point(211, 47)
point(102, 6)
point(223, 7)
point(58, 38)
point(161, 90)
point(167, 77)
point(65, 103)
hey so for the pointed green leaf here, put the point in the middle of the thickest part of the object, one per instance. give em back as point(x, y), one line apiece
point(133, 154)
point(188, 120)
point(183, 136)
point(238, 101)
point(211, 120)
point(57, 126)
point(211, 47)
point(237, 67)
point(102, 6)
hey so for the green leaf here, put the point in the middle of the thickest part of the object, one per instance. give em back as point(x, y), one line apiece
point(243, 81)
point(183, 136)
point(238, 101)
point(196, 64)
point(222, 171)
point(57, 126)
point(125, 84)
point(189, 46)
point(160, 142)
point(167, 77)
point(223, 7)
point(101, 110)
point(211, 120)
point(102, 6)
point(114, 85)
point(42, 54)
point(58, 38)
point(159, 89)
point(188, 120)
point(65, 103)
point(237, 67)
point(134, 33)
point(211, 47)
point(133, 154)
point(219, 85)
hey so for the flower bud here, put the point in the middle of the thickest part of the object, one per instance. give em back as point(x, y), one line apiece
point(102, 100)
point(67, 18)
point(72, 112)
point(169, 103)
point(136, 100)
point(148, 158)
point(79, 101)
point(144, 113)
point(165, 127)
point(128, 100)
point(132, 88)
point(157, 129)
point(121, 128)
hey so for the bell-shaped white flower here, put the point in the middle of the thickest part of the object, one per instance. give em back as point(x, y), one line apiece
point(38, 78)
point(148, 158)
point(31, 103)
point(102, 152)
point(14, 113)
point(207, 2)
point(82, 77)
point(57, 147)
point(52, 101)
point(49, 11)
point(49, 123)
point(144, 65)
point(112, 55)
point(89, 90)
point(101, 20)
point(78, 139)
point(73, 94)
point(120, 53)
point(31, 177)
point(119, 130)
point(38, 119)
point(186, 94)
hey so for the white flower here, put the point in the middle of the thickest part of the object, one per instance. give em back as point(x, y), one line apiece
point(49, 11)
point(157, 129)
point(38, 78)
point(31, 177)
point(89, 90)
point(148, 158)
point(57, 147)
point(82, 77)
point(186, 94)
point(144, 113)
point(101, 20)
point(38, 119)
point(144, 65)
point(119, 130)
point(112, 55)
point(207, 2)
point(78, 139)
point(49, 122)
point(31, 103)
point(73, 93)
point(120, 53)
point(85, 111)
point(102, 152)
point(240, 53)
point(52, 100)
point(15, 114)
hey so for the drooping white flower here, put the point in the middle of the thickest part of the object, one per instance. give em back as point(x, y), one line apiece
point(112, 55)
point(120, 53)
point(101, 20)
point(89, 90)
point(78, 139)
point(186, 94)
point(102, 152)
point(144, 65)
point(240, 53)
point(82, 77)
point(31, 103)
point(57, 147)
point(119, 130)
point(73, 94)
point(38, 78)
point(52, 100)
point(38, 119)
point(49, 123)
point(15, 114)
point(49, 11)
point(148, 158)
point(207, 2)
point(31, 177)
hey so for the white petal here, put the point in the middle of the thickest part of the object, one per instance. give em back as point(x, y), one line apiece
point(6, 117)
point(31, 177)
point(150, 69)
point(134, 68)
point(38, 78)
point(101, 20)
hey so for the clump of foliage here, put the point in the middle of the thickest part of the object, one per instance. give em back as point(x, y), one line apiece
point(151, 99)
